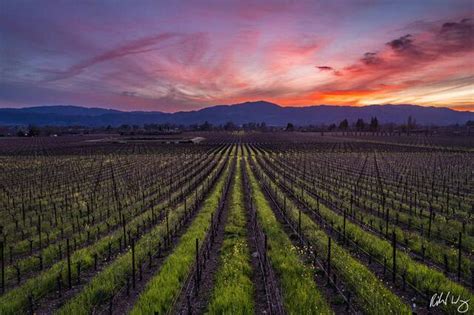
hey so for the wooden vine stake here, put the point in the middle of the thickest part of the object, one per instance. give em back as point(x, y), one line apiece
point(197, 265)
point(68, 253)
point(124, 232)
point(429, 222)
point(299, 222)
point(329, 260)
point(2, 256)
point(344, 227)
point(167, 239)
point(133, 262)
point(459, 256)
point(394, 263)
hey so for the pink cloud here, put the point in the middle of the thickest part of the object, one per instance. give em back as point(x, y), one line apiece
point(282, 55)
point(211, 52)
point(141, 45)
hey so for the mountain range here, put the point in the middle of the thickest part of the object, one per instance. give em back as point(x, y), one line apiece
point(260, 111)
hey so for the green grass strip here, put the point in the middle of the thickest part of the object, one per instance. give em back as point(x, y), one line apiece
point(233, 291)
point(424, 278)
point(370, 293)
point(16, 300)
point(300, 294)
point(114, 276)
point(50, 253)
point(165, 286)
point(434, 251)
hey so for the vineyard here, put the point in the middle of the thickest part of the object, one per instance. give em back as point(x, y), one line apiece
point(240, 223)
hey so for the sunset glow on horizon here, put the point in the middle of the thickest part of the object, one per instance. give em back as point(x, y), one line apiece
point(171, 56)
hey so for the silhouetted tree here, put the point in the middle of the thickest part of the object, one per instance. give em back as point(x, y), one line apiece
point(33, 131)
point(206, 126)
point(374, 124)
point(125, 127)
point(360, 124)
point(411, 123)
point(290, 127)
point(229, 126)
point(343, 125)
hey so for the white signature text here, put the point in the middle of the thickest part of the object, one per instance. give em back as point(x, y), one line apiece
point(447, 298)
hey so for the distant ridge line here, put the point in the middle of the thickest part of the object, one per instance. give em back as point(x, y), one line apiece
point(259, 111)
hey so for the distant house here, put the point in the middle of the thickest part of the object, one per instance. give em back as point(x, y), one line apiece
point(197, 139)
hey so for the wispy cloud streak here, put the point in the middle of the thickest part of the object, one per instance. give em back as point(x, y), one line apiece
point(184, 55)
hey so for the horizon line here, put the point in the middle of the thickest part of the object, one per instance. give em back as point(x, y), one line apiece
point(460, 108)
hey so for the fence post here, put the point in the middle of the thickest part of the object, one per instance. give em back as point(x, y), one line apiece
point(352, 201)
point(344, 227)
point(39, 232)
point(68, 253)
point(197, 264)
point(40, 259)
point(446, 265)
point(299, 222)
point(349, 297)
point(167, 239)
point(394, 263)
point(60, 254)
point(329, 260)
point(132, 242)
point(2, 256)
point(459, 256)
point(423, 250)
point(429, 222)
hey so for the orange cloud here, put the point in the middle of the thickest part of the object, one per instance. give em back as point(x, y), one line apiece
point(469, 107)
point(337, 97)
point(431, 68)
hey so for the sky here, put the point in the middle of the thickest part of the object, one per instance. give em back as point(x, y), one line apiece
point(184, 55)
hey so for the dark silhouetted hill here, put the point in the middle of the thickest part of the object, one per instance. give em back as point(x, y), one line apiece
point(260, 111)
